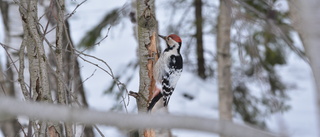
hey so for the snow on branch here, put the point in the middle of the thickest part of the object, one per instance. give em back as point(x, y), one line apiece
point(42, 111)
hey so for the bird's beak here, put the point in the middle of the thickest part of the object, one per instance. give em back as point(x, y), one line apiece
point(163, 37)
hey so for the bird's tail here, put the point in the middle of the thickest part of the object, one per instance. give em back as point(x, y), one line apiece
point(154, 101)
point(166, 100)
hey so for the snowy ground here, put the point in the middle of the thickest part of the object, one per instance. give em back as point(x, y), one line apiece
point(120, 47)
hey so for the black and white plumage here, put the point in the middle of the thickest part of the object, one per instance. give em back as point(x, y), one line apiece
point(167, 70)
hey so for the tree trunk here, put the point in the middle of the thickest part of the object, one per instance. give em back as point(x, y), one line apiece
point(224, 61)
point(199, 37)
point(9, 127)
point(66, 71)
point(61, 43)
point(147, 32)
point(305, 18)
point(36, 55)
point(148, 43)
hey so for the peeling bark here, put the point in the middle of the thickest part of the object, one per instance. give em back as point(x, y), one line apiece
point(148, 55)
point(147, 29)
point(153, 52)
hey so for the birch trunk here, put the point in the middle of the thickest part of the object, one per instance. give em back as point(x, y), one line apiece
point(25, 36)
point(305, 16)
point(224, 61)
point(7, 75)
point(59, 52)
point(146, 29)
point(36, 55)
point(148, 43)
point(60, 45)
point(11, 127)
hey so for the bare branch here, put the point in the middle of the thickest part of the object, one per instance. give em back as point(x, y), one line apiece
point(21, 68)
point(134, 94)
point(74, 10)
point(99, 131)
point(43, 111)
point(98, 43)
point(89, 76)
point(24, 89)
point(72, 47)
point(7, 47)
point(110, 73)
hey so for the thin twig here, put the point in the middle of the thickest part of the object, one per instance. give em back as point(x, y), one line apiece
point(21, 68)
point(9, 56)
point(7, 47)
point(89, 76)
point(99, 131)
point(98, 43)
point(110, 73)
point(74, 10)
point(95, 65)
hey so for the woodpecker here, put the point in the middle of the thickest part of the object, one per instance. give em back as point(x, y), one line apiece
point(167, 70)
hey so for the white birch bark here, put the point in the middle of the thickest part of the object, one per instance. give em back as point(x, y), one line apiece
point(12, 40)
point(146, 28)
point(148, 42)
point(9, 127)
point(33, 40)
point(224, 61)
point(59, 51)
point(305, 16)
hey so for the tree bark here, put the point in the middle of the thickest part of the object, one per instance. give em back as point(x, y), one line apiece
point(199, 37)
point(305, 19)
point(148, 48)
point(147, 28)
point(224, 61)
point(36, 55)
point(11, 127)
point(59, 52)
point(7, 86)
point(66, 71)
point(61, 43)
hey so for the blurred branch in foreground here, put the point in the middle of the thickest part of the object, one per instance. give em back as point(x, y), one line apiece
point(50, 112)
